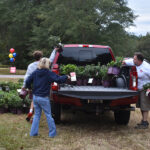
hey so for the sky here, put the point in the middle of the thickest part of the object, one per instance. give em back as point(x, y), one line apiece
point(142, 22)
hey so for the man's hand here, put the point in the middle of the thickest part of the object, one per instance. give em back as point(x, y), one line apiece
point(68, 77)
point(123, 62)
point(56, 49)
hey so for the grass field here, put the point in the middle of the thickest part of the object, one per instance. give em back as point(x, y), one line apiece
point(9, 79)
point(6, 71)
point(78, 131)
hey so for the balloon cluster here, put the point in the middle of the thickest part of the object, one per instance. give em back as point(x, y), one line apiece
point(12, 55)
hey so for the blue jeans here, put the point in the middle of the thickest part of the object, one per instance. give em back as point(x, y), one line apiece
point(42, 103)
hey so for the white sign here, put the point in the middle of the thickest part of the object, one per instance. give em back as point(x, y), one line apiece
point(90, 80)
point(73, 76)
point(12, 69)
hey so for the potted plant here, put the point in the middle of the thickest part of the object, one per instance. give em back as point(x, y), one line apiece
point(67, 69)
point(92, 74)
point(114, 66)
point(111, 65)
point(19, 105)
point(97, 75)
point(62, 69)
point(104, 75)
point(79, 72)
point(14, 102)
point(86, 74)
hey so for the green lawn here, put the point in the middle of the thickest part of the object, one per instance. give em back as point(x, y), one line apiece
point(78, 131)
point(9, 79)
point(6, 71)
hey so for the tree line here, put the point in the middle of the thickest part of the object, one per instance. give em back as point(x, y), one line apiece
point(28, 25)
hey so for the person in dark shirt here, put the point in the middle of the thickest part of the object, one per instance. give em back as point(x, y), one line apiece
point(41, 80)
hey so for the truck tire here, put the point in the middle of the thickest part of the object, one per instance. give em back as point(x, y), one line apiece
point(122, 117)
point(56, 111)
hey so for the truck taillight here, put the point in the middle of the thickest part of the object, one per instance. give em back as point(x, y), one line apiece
point(85, 45)
point(55, 69)
point(54, 86)
point(133, 79)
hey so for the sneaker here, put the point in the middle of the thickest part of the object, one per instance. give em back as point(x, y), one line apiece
point(142, 125)
point(29, 116)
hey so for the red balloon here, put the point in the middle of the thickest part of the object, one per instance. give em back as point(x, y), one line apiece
point(12, 50)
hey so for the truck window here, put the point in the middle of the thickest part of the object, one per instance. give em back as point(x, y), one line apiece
point(84, 56)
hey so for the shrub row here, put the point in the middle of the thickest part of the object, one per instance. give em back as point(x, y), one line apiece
point(10, 100)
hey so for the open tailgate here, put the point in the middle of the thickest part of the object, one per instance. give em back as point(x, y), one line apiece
point(96, 92)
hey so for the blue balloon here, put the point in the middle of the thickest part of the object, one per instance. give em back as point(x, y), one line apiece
point(14, 54)
point(11, 59)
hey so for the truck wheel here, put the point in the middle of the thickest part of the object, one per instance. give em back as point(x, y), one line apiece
point(122, 117)
point(56, 111)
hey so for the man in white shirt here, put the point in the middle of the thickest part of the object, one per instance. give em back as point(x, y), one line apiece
point(53, 54)
point(143, 70)
point(37, 55)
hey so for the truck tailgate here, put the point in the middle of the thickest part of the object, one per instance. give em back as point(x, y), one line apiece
point(96, 92)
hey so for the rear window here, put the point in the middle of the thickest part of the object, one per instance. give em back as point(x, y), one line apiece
point(84, 56)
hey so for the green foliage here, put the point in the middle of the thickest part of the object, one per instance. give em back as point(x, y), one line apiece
point(92, 70)
point(20, 81)
point(11, 85)
point(111, 64)
point(146, 86)
point(79, 71)
point(97, 70)
point(66, 69)
point(88, 71)
point(13, 100)
point(103, 72)
point(116, 63)
point(144, 46)
point(2, 100)
point(31, 25)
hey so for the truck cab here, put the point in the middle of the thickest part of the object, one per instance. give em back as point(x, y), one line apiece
point(117, 98)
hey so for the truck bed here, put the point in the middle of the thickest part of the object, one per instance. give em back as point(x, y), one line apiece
point(96, 92)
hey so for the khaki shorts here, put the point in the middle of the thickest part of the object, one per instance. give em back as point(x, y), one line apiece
point(143, 102)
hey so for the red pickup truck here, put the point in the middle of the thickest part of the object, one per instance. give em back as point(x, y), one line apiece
point(94, 98)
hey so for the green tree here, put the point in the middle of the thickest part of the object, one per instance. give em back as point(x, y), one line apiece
point(144, 46)
point(40, 24)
